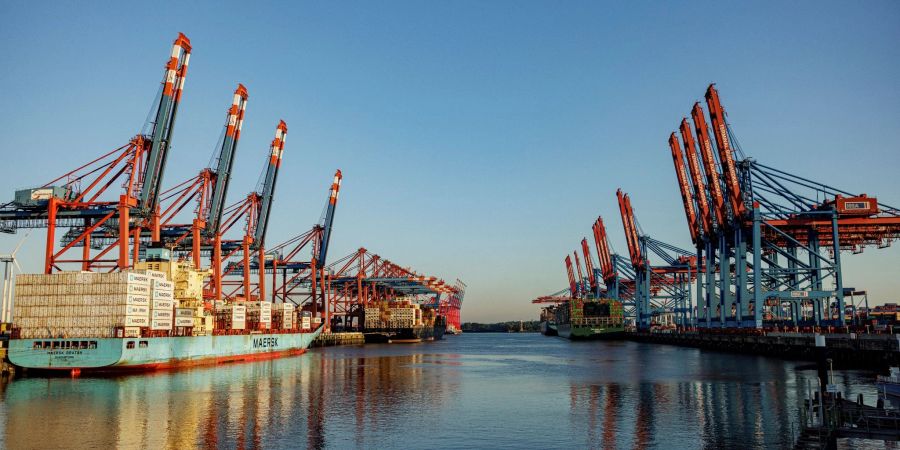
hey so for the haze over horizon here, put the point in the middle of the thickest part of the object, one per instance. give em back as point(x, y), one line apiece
point(478, 140)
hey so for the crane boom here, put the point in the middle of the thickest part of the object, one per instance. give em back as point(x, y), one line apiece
point(726, 153)
point(580, 273)
point(161, 137)
point(687, 136)
point(600, 261)
point(631, 235)
point(686, 197)
point(604, 255)
point(329, 218)
point(589, 264)
point(573, 287)
point(233, 124)
point(268, 191)
point(709, 164)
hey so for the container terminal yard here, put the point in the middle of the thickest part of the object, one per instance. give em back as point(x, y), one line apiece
point(142, 273)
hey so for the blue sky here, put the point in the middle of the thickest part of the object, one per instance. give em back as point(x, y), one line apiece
point(478, 140)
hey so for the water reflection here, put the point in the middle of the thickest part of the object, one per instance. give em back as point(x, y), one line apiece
point(496, 391)
point(295, 402)
point(687, 398)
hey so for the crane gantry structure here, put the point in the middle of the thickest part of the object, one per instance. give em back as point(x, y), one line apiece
point(254, 211)
point(92, 226)
point(645, 290)
point(295, 277)
point(363, 279)
point(658, 288)
point(84, 199)
point(767, 241)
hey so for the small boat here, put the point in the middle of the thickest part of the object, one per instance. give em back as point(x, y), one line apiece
point(889, 385)
point(548, 328)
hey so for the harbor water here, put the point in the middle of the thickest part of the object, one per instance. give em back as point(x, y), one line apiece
point(469, 391)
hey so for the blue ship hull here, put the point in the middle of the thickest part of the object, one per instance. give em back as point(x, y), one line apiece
point(891, 388)
point(115, 354)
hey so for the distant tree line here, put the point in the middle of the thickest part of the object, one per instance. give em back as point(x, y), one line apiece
point(526, 326)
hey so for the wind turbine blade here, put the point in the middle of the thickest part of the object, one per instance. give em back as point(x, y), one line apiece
point(20, 244)
point(17, 265)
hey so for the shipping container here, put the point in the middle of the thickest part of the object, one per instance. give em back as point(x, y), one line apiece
point(161, 324)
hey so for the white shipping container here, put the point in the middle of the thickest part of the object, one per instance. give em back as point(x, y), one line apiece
point(137, 311)
point(162, 285)
point(305, 323)
point(162, 295)
point(162, 314)
point(135, 277)
point(184, 312)
point(155, 274)
point(162, 304)
point(161, 324)
point(136, 300)
point(238, 324)
point(184, 322)
point(132, 288)
point(137, 321)
point(23, 279)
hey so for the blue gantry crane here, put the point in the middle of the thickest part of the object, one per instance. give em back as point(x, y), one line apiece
point(768, 242)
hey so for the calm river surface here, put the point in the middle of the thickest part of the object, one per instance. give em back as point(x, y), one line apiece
point(470, 391)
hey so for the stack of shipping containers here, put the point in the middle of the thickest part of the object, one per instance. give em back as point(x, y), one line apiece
point(82, 304)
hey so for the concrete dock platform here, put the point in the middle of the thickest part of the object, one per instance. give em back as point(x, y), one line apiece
point(846, 350)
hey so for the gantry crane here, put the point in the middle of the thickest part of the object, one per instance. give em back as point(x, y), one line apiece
point(296, 278)
point(205, 193)
point(209, 189)
point(573, 285)
point(235, 122)
point(658, 288)
point(593, 274)
point(363, 278)
point(82, 201)
point(254, 211)
point(616, 272)
point(767, 241)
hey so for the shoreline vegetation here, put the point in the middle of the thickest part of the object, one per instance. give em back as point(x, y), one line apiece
point(515, 326)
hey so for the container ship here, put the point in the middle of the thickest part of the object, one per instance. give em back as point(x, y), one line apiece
point(548, 321)
point(402, 321)
point(579, 319)
point(151, 317)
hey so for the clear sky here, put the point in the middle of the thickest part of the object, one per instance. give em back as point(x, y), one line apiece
point(478, 140)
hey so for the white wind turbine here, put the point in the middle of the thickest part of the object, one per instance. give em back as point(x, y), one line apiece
point(7, 299)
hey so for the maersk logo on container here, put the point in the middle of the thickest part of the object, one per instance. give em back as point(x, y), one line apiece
point(268, 342)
